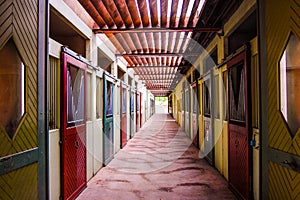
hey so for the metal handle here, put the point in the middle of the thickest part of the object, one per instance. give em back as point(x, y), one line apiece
point(293, 165)
point(76, 144)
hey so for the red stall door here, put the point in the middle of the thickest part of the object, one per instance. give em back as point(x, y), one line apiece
point(73, 127)
point(238, 127)
point(141, 110)
point(123, 116)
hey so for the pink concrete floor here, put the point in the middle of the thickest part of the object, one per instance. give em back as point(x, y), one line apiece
point(158, 163)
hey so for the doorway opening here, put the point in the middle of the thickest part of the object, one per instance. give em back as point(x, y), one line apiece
point(161, 105)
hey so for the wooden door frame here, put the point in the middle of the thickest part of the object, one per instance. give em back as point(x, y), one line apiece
point(263, 108)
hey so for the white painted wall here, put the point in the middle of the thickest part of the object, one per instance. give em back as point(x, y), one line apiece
point(98, 145)
point(89, 150)
point(54, 164)
point(73, 19)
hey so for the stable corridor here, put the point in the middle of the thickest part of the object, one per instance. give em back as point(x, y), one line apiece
point(159, 162)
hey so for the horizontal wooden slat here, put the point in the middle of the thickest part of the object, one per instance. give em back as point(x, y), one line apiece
point(18, 160)
point(153, 73)
point(153, 66)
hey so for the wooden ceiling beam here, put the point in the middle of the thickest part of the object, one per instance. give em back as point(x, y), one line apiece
point(144, 12)
point(173, 13)
point(89, 7)
point(164, 43)
point(100, 7)
point(136, 42)
point(164, 10)
point(133, 10)
point(132, 39)
point(157, 87)
point(157, 80)
point(160, 91)
point(163, 88)
point(115, 42)
point(158, 54)
point(182, 21)
point(114, 12)
point(124, 12)
point(170, 42)
point(123, 43)
point(148, 67)
point(193, 13)
point(156, 30)
point(152, 73)
point(150, 41)
point(153, 13)
point(157, 48)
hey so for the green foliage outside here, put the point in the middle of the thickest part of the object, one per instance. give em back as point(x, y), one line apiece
point(161, 99)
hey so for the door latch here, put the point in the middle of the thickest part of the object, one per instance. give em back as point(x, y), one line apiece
point(292, 164)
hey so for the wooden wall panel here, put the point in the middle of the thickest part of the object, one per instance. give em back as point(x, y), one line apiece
point(289, 20)
point(283, 183)
point(22, 17)
point(5, 21)
point(18, 20)
point(19, 184)
point(281, 20)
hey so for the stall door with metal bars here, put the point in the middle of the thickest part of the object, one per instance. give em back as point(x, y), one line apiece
point(207, 119)
point(238, 127)
point(195, 114)
point(131, 114)
point(108, 134)
point(73, 127)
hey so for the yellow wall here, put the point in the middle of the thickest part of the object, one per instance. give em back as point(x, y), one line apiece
point(178, 97)
point(200, 117)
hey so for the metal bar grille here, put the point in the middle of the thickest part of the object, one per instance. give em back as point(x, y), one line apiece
point(53, 90)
